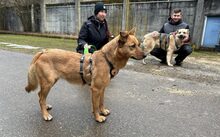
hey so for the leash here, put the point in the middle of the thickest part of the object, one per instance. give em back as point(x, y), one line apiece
point(89, 49)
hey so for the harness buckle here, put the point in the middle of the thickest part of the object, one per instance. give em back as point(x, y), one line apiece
point(81, 64)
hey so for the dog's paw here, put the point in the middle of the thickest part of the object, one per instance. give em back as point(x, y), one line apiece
point(49, 107)
point(48, 117)
point(105, 112)
point(100, 119)
point(144, 62)
point(171, 65)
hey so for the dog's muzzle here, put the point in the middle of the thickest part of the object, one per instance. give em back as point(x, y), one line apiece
point(181, 36)
point(138, 58)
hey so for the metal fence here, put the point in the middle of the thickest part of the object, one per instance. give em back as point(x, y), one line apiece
point(145, 16)
point(60, 19)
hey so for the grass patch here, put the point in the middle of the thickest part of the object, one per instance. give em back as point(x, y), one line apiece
point(69, 44)
point(42, 42)
point(211, 55)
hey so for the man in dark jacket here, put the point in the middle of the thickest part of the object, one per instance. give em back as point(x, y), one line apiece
point(94, 32)
point(174, 23)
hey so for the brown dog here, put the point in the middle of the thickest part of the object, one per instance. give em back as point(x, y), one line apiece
point(168, 42)
point(96, 70)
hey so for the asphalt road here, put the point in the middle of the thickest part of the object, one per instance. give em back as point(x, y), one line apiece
point(142, 105)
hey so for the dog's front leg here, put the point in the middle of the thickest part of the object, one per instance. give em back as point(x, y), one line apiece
point(103, 110)
point(143, 61)
point(96, 95)
point(44, 107)
point(169, 57)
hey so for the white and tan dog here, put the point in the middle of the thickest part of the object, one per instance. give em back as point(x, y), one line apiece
point(167, 42)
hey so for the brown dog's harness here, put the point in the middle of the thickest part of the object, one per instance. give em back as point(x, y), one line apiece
point(81, 67)
point(90, 67)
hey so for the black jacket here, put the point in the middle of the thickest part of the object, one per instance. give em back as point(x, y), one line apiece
point(93, 32)
point(172, 26)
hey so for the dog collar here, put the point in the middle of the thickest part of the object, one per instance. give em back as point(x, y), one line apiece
point(109, 64)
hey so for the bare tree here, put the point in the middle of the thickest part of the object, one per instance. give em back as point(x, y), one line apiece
point(22, 8)
point(5, 3)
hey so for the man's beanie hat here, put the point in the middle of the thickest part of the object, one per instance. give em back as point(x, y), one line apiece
point(98, 7)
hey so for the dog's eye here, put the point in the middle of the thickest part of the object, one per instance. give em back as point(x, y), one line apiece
point(132, 46)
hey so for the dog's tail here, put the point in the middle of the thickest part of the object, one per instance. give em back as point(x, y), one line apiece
point(32, 77)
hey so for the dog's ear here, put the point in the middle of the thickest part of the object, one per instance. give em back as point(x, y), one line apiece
point(155, 34)
point(132, 31)
point(123, 34)
point(176, 32)
point(187, 31)
point(123, 38)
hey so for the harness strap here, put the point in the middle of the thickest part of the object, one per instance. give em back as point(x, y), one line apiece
point(160, 39)
point(90, 65)
point(177, 47)
point(110, 65)
point(81, 68)
point(167, 41)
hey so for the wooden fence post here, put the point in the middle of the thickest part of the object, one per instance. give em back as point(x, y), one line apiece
point(198, 23)
point(32, 18)
point(125, 17)
point(43, 16)
point(77, 16)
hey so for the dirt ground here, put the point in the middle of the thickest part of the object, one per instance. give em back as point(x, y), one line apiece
point(194, 69)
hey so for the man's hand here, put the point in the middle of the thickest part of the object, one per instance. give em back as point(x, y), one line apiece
point(86, 46)
point(186, 39)
point(173, 33)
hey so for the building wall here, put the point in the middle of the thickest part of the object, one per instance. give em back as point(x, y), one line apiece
point(212, 7)
point(204, 9)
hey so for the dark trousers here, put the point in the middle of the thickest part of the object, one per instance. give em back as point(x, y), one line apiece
point(182, 53)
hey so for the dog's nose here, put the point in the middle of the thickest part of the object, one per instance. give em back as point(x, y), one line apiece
point(142, 46)
point(181, 36)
